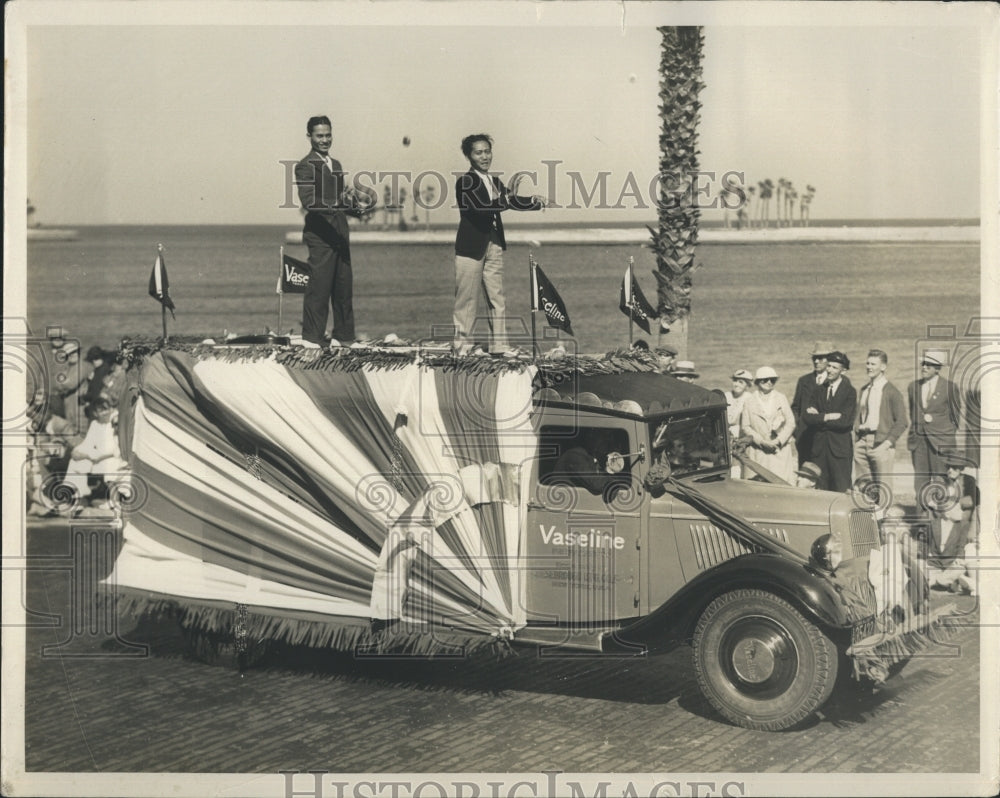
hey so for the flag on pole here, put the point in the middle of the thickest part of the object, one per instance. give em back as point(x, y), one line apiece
point(633, 303)
point(294, 276)
point(545, 298)
point(159, 286)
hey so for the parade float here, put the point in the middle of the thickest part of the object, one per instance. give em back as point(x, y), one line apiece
point(398, 499)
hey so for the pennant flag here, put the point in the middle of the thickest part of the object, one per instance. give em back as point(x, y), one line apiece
point(545, 298)
point(633, 303)
point(294, 276)
point(159, 286)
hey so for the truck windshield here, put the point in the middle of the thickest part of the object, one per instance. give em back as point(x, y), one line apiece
point(691, 444)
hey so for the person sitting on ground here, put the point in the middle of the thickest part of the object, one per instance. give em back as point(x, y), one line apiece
point(98, 453)
point(808, 475)
point(953, 528)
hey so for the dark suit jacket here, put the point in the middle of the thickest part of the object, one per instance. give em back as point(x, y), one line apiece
point(803, 392)
point(891, 414)
point(833, 436)
point(943, 408)
point(480, 215)
point(320, 191)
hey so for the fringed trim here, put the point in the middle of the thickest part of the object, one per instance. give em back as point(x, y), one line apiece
point(245, 626)
point(378, 355)
point(873, 655)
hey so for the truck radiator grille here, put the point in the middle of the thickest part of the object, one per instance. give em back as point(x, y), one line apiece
point(712, 545)
point(864, 532)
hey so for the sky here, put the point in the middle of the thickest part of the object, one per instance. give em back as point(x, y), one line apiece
point(139, 120)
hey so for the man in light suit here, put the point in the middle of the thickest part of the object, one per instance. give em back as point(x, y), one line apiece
point(804, 389)
point(879, 422)
point(934, 413)
point(480, 243)
point(326, 199)
point(830, 416)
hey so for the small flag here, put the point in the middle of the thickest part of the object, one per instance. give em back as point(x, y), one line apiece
point(545, 298)
point(294, 276)
point(632, 302)
point(159, 286)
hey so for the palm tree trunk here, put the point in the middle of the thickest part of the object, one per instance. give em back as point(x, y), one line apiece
point(675, 241)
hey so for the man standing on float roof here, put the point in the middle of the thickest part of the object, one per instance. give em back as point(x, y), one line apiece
point(480, 243)
point(326, 199)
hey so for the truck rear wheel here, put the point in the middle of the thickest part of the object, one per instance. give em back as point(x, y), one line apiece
point(760, 663)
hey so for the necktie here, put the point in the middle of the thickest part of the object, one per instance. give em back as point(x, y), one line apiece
point(925, 392)
point(864, 404)
point(829, 393)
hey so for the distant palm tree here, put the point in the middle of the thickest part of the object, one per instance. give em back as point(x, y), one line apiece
point(766, 191)
point(789, 196)
point(778, 200)
point(675, 241)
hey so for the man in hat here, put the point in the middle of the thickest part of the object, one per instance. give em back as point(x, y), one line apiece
point(953, 532)
point(879, 422)
point(804, 388)
point(808, 475)
point(830, 416)
point(934, 412)
point(665, 356)
point(684, 370)
point(102, 363)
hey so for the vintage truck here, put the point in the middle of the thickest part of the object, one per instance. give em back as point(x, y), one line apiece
point(400, 499)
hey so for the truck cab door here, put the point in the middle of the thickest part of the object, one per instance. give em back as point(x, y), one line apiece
point(582, 539)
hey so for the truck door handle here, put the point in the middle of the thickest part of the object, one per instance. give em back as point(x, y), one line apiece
point(535, 506)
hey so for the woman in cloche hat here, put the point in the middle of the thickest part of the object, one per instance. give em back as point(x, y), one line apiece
point(768, 421)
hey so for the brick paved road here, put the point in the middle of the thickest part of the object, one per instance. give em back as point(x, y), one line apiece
point(308, 710)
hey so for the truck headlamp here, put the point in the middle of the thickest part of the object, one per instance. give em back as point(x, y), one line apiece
point(826, 552)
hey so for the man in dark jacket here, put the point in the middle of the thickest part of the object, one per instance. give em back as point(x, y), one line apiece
point(326, 198)
point(830, 416)
point(480, 243)
point(803, 398)
point(934, 413)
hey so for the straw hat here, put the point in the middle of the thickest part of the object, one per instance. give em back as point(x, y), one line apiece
point(684, 368)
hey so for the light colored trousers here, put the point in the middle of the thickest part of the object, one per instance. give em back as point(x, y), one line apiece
point(873, 463)
point(471, 278)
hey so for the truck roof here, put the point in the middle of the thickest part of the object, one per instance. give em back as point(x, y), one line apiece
point(636, 395)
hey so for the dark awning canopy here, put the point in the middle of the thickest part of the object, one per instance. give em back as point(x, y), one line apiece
point(632, 394)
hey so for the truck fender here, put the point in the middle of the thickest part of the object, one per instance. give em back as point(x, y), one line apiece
point(673, 622)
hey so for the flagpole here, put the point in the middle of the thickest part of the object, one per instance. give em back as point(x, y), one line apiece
point(631, 321)
point(163, 306)
point(534, 299)
point(281, 294)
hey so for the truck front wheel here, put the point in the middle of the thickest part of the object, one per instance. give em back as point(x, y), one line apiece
point(760, 663)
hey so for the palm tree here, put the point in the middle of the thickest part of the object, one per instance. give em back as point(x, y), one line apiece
point(778, 200)
point(789, 196)
point(766, 191)
point(675, 241)
point(807, 201)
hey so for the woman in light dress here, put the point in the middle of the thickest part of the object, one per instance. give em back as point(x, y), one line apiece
point(768, 421)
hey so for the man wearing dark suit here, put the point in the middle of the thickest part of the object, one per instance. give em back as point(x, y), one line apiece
point(934, 412)
point(830, 416)
point(480, 243)
point(326, 200)
point(803, 397)
point(879, 422)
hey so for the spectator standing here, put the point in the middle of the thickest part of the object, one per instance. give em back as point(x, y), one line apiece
point(684, 370)
point(768, 421)
point(830, 415)
point(804, 389)
point(665, 356)
point(480, 243)
point(735, 398)
point(879, 422)
point(934, 412)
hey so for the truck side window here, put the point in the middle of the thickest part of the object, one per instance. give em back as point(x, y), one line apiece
point(577, 457)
